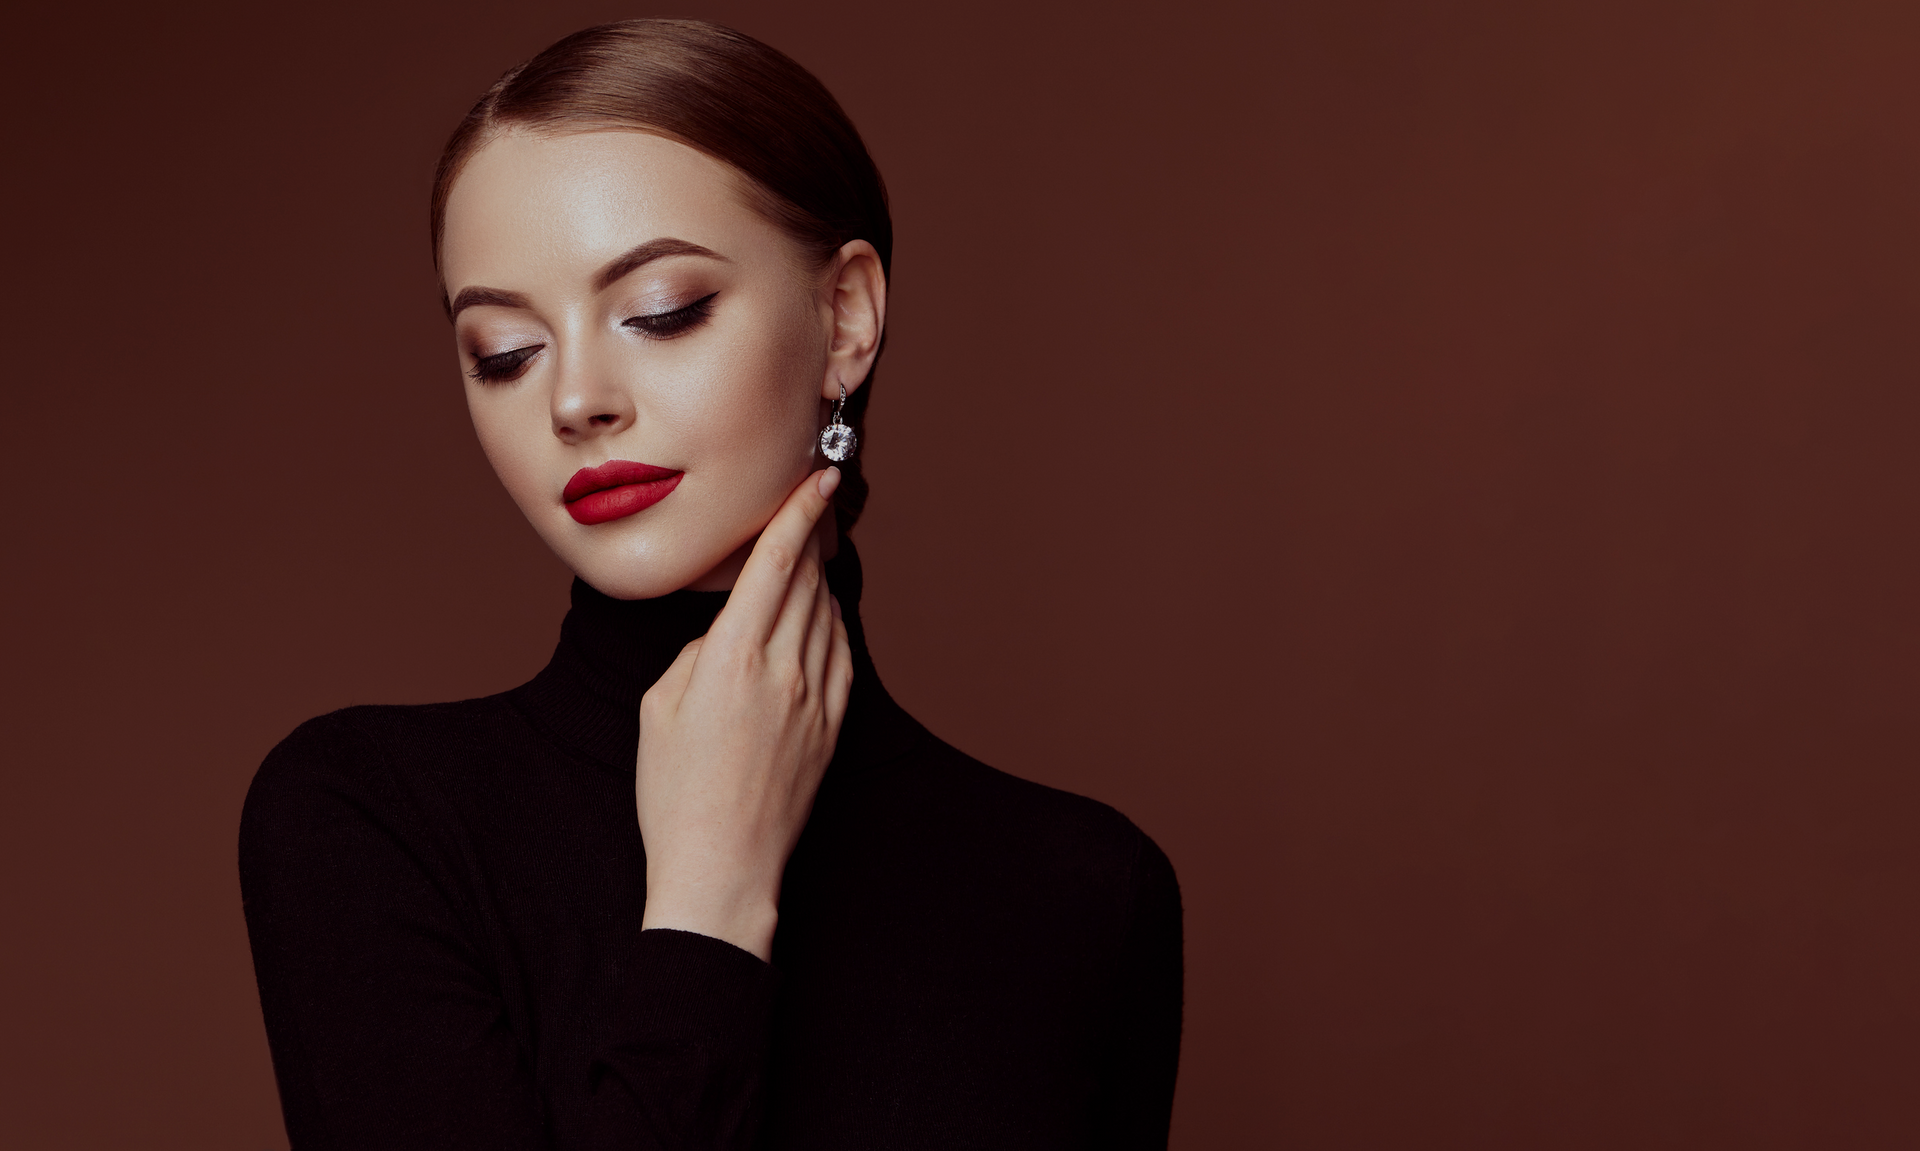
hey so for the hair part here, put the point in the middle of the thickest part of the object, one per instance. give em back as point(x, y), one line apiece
point(721, 93)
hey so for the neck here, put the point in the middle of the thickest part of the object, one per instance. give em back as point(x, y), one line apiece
point(611, 651)
point(726, 573)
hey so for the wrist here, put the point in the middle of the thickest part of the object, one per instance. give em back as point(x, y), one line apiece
point(746, 920)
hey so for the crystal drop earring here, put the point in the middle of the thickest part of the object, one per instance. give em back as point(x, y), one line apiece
point(837, 440)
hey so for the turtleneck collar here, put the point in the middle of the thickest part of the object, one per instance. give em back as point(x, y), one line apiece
point(611, 651)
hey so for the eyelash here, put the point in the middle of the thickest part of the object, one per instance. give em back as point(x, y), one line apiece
point(667, 325)
point(507, 366)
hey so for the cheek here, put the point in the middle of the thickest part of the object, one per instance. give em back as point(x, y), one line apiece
point(511, 431)
point(757, 402)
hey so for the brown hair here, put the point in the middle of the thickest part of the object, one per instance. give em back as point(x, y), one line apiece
point(726, 95)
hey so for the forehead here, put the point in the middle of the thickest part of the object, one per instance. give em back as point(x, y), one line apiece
point(529, 201)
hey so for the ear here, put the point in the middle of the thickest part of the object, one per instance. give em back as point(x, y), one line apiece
point(853, 304)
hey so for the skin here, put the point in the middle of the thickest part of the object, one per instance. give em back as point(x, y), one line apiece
point(734, 738)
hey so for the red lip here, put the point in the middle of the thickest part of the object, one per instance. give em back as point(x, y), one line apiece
point(615, 489)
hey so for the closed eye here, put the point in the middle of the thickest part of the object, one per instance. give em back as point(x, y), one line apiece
point(504, 366)
point(667, 325)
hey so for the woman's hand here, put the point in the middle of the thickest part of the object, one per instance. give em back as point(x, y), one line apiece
point(736, 735)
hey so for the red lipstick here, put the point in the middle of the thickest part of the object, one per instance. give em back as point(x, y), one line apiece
point(615, 489)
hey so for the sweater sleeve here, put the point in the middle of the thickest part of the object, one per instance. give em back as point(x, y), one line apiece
point(387, 1029)
point(1134, 1104)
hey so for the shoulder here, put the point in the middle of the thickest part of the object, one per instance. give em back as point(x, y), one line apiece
point(1022, 806)
point(388, 732)
point(1078, 873)
point(368, 763)
point(375, 739)
point(1006, 823)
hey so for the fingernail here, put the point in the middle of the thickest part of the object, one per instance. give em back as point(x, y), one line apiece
point(829, 480)
point(833, 601)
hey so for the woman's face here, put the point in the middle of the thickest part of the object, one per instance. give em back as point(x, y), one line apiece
point(648, 360)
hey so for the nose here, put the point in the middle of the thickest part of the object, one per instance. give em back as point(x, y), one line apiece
point(588, 401)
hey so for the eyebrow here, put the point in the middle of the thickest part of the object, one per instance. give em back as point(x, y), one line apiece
point(622, 265)
point(647, 253)
point(482, 297)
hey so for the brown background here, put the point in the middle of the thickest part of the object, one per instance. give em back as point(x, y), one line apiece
point(1443, 470)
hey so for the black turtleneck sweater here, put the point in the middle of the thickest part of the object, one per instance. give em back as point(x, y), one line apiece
point(444, 903)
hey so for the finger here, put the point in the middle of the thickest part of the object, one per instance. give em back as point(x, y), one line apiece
point(789, 638)
point(819, 637)
point(839, 675)
point(761, 589)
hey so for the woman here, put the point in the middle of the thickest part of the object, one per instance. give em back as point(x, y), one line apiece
point(701, 882)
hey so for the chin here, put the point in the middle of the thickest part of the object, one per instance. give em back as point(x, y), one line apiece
point(620, 583)
point(634, 560)
point(627, 574)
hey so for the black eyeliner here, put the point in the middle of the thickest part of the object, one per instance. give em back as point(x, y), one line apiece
point(666, 325)
point(509, 367)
